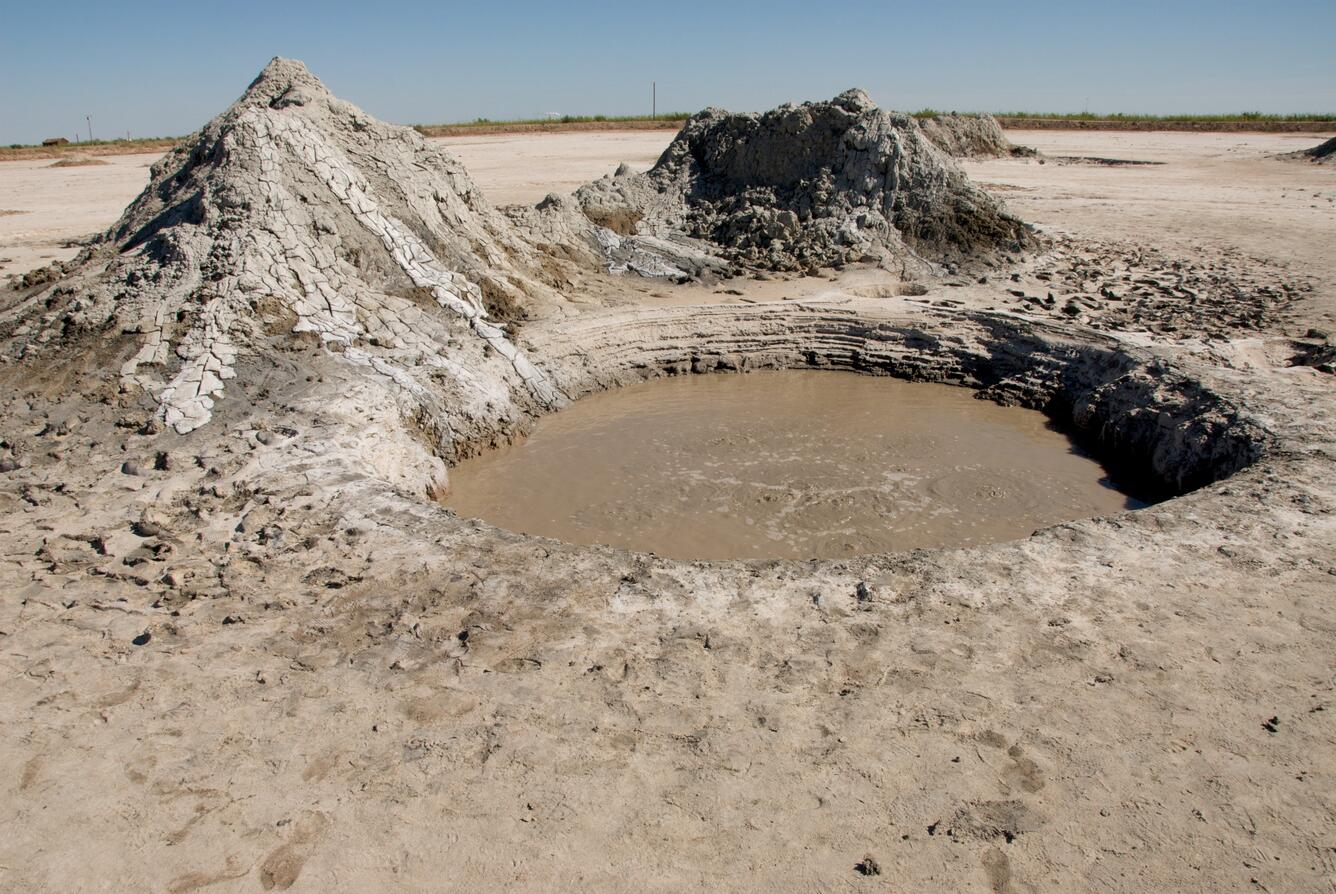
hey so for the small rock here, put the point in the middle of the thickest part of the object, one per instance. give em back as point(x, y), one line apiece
point(868, 866)
point(145, 528)
point(142, 639)
point(266, 437)
point(8, 464)
point(131, 468)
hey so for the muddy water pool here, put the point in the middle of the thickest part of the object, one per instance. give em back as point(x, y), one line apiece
point(785, 465)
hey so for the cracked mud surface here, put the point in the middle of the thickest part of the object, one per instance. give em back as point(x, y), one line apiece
point(254, 657)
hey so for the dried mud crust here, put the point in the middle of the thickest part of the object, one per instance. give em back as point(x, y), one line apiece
point(1121, 286)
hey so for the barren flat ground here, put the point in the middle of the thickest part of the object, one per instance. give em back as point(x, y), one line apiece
point(263, 655)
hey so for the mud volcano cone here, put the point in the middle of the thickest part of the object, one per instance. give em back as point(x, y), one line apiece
point(295, 214)
point(970, 136)
point(822, 183)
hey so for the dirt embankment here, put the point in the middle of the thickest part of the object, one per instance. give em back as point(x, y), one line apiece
point(119, 147)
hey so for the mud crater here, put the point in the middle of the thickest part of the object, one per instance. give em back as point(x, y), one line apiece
point(1124, 415)
point(785, 465)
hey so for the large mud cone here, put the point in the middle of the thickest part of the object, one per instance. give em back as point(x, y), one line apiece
point(294, 212)
point(970, 136)
point(818, 184)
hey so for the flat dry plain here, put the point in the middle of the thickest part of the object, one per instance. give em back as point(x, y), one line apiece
point(1144, 702)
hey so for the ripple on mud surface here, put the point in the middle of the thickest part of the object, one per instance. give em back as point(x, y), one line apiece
point(785, 465)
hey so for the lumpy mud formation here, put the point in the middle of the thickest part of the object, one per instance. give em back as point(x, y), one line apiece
point(787, 465)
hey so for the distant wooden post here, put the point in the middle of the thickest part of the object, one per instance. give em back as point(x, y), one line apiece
point(654, 99)
point(89, 119)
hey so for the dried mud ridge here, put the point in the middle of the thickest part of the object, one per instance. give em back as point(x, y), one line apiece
point(971, 136)
point(242, 644)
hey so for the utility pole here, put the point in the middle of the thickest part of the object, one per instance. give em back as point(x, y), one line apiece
point(89, 119)
point(654, 99)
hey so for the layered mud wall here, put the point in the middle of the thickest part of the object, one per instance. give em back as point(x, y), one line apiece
point(1155, 424)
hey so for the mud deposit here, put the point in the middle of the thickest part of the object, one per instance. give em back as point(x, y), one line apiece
point(790, 465)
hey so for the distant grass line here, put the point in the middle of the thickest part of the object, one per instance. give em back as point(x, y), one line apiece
point(1237, 118)
point(18, 151)
point(479, 126)
point(1241, 121)
point(564, 119)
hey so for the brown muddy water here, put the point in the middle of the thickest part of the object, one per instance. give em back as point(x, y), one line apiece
point(785, 465)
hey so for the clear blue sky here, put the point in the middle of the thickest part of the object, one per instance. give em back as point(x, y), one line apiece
point(154, 68)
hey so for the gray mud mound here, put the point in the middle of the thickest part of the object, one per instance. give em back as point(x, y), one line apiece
point(970, 136)
point(1322, 154)
point(294, 215)
point(812, 185)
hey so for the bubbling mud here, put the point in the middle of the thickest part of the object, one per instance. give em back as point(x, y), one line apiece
point(785, 465)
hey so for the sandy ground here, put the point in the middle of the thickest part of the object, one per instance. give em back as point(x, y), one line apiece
point(1212, 190)
point(234, 662)
point(59, 206)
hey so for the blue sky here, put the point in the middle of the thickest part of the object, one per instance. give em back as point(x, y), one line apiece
point(153, 68)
